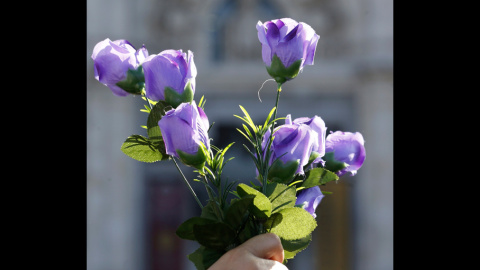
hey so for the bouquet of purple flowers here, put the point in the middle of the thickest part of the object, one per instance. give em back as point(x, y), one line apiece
point(292, 160)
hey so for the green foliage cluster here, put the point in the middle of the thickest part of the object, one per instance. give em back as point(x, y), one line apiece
point(255, 209)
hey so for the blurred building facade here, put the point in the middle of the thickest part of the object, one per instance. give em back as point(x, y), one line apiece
point(133, 208)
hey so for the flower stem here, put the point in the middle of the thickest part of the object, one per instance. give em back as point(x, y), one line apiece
point(218, 212)
point(279, 89)
point(188, 184)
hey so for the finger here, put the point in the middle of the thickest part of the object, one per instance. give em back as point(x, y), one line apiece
point(271, 265)
point(265, 246)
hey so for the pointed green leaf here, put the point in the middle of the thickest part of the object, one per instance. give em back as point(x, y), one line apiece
point(318, 176)
point(210, 256)
point(197, 258)
point(296, 224)
point(142, 149)
point(261, 207)
point(236, 212)
point(209, 212)
point(292, 247)
point(185, 230)
point(281, 196)
point(273, 221)
point(216, 235)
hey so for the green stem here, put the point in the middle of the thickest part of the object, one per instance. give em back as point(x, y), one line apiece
point(188, 184)
point(279, 89)
point(218, 213)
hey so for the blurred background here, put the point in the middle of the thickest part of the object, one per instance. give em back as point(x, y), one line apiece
point(134, 208)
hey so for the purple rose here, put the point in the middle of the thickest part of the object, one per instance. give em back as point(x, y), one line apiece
point(112, 60)
point(346, 147)
point(292, 142)
point(170, 73)
point(316, 124)
point(183, 130)
point(309, 199)
point(287, 46)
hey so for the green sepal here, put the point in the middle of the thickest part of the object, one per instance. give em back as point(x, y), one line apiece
point(174, 99)
point(135, 81)
point(156, 113)
point(283, 172)
point(197, 160)
point(185, 230)
point(313, 155)
point(318, 176)
point(280, 73)
point(333, 165)
point(261, 207)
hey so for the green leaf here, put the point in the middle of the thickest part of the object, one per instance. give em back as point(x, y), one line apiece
point(143, 149)
point(209, 212)
point(235, 214)
point(296, 224)
point(215, 235)
point(292, 247)
point(204, 257)
point(248, 232)
point(318, 176)
point(197, 258)
point(281, 196)
point(210, 256)
point(273, 221)
point(261, 207)
point(185, 230)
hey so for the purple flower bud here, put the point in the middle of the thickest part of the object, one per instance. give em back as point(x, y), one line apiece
point(347, 147)
point(318, 125)
point(183, 129)
point(170, 68)
point(293, 43)
point(292, 142)
point(309, 199)
point(112, 60)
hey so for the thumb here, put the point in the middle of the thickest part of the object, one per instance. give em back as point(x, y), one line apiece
point(266, 246)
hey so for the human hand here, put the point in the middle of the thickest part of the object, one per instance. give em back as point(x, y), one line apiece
point(262, 252)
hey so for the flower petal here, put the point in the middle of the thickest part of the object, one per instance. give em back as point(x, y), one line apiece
point(161, 72)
